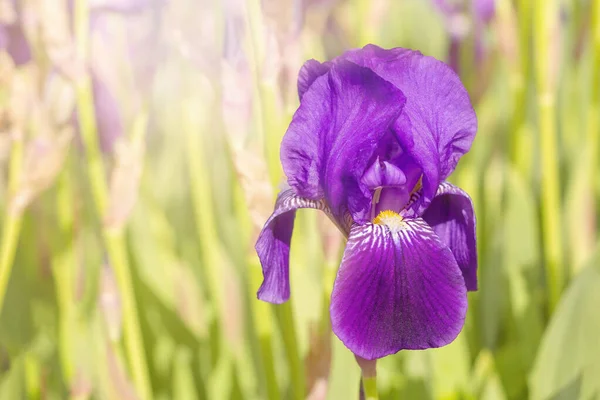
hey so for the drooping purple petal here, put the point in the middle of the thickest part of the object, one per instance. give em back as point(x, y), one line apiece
point(334, 133)
point(273, 244)
point(438, 122)
point(398, 287)
point(452, 217)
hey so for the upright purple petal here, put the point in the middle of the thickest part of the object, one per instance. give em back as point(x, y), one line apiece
point(335, 132)
point(438, 123)
point(273, 245)
point(452, 217)
point(398, 287)
point(383, 173)
point(310, 71)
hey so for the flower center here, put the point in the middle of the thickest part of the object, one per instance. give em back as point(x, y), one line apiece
point(391, 219)
point(392, 177)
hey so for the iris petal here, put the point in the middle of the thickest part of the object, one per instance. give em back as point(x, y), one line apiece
point(438, 122)
point(452, 217)
point(383, 174)
point(397, 288)
point(273, 244)
point(335, 132)
point(310, 71)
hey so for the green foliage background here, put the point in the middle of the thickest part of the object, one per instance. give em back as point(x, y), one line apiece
point(131, 273)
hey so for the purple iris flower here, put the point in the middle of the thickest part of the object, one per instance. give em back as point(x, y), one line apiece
point(12, 34)
point(376, 134)
point(455, 13)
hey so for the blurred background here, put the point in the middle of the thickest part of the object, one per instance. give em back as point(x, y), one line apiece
point(139, 159)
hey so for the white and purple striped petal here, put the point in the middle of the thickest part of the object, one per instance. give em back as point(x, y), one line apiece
point(398, 287)
point(452, 217)
point(273, 244)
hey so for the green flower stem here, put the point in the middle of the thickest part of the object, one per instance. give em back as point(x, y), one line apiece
point(545, 25)
point(519, 80)
point(63, 265)
point(33, 376)
point(370, 388)
point(264, 329)
point(214, 262)
point(10, 238)
point(268, 123)
point(114, 240)
point(202, 202)
point(364, 33)
point(12, 220)
point(134, 345)
point(268, 119)
point(287, 326)
point(593, 126)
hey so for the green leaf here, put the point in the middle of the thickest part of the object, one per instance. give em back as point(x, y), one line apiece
point(183, 379)
point(12, 385)
point(344, 379)
point(570, 349)
point(451, 369)
point(521, 260)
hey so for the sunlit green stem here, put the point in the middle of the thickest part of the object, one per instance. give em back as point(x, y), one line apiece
point(195, 125)
point(363, 30)
point(545, 42)
point(370, 388)
point(287, 326)
point(33, 376)
point(519, 80)
point(264, 329)
point(114, 240)
point(268, 124)
point(63, 266)
point(201, 196)
point(593, 127)
point(267, 117)
point(12, 220)
point(10, 237)
point(369, 377)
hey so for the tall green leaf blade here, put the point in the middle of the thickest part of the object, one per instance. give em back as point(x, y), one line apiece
point(570, 348)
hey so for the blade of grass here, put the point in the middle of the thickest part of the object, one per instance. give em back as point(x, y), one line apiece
point(12, 220)
point(63, 264)
point(546, 14)
point(114, 239)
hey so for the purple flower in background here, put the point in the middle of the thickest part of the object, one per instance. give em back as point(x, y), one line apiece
point(458, 25)
point(12, 35)
point(376, 134)
point(125, 38)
